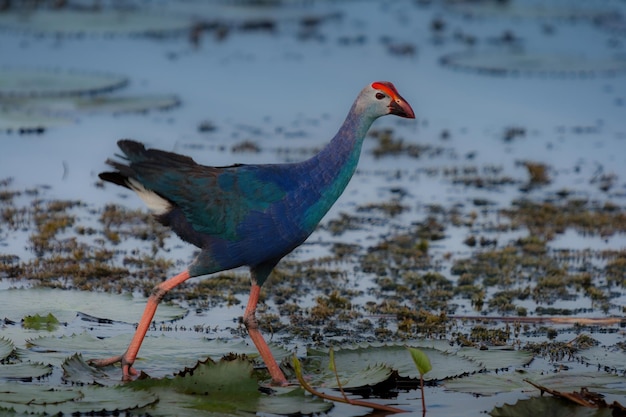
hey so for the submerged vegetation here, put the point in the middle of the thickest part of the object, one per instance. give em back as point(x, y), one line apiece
point(71, 245)
point(521, 293)
point(413, 293)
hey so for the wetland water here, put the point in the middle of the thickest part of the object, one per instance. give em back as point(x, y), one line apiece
point(496, 219)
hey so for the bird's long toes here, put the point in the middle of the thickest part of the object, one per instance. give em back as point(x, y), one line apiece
point(101, 363)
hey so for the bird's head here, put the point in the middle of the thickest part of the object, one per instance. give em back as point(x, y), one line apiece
point(381, 98)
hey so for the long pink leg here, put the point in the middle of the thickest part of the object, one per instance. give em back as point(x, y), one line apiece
point(249, 319)
point(128, 358)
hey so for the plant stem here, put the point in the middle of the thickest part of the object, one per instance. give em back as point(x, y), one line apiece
point(332, 359)
point(423, 398)
point(344, 399)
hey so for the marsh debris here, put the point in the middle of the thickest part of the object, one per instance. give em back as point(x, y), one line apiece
point(549, 218)
point(390, 145)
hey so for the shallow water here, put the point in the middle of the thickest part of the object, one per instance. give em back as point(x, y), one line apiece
point(287, 91)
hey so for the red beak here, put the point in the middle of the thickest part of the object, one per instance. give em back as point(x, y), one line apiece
point(400, 107)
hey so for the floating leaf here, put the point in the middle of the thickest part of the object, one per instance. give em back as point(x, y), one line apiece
point(547, 406)
point(25, 82)
point(489, 384)
point(226, 387)
point(38, 399)
point(29, 121)
point(6, 348)
point(100, 22)
point(394, 357)
point(341, 399)
point(117, 105)
point(226, 378)
point(65, 304)
point(25, 371)
point(572, 381)
point(12, 394)
point(293, 402)
point(114, 104)
point(497, 357)
point(76, 370)
point(350, 374)
point(507, 63)
point(159, 355)
point(38, 322)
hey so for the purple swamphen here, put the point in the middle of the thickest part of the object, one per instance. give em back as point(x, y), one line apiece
point(245, 215)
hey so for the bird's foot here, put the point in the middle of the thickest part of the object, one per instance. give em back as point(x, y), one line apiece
point(128, 372)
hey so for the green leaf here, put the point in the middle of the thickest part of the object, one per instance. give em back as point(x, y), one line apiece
point(77, 371)
point(103, 21)
point(331, 360)
point(38, 322)
point(224, 388)
point(65, 304)
point(497, 357)
point(490, 384)
point(13, 395)
point(573, 381)
point(159, 355)
point(228, 378)
point(39, 399)
point(21, 120)
point(117, 105)
point(421, 360)
point(547, 406)
point(25, 371)
point(352, 360)
point(6, 348)
point(28, 82)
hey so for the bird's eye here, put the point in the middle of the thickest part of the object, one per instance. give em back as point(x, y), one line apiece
point(380, 96)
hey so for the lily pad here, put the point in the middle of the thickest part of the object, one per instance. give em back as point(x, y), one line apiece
point(226, 387)
point(24, 82)
point(25, 371)
point(29, 121)
point(159, 355)
point(498, 357)
point(77, 371)
point(490, 384)
point(6, 348)
point(113, 104)
point(117, 105)
point(14, 395)
point(573, 381)
point(38, 322)
point(507, 63)
point(40, 399)
point(65, 304)
point(70, 22)
point(395, 357)
point(547, 406)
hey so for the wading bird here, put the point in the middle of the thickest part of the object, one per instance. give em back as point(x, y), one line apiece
point(244, 215)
